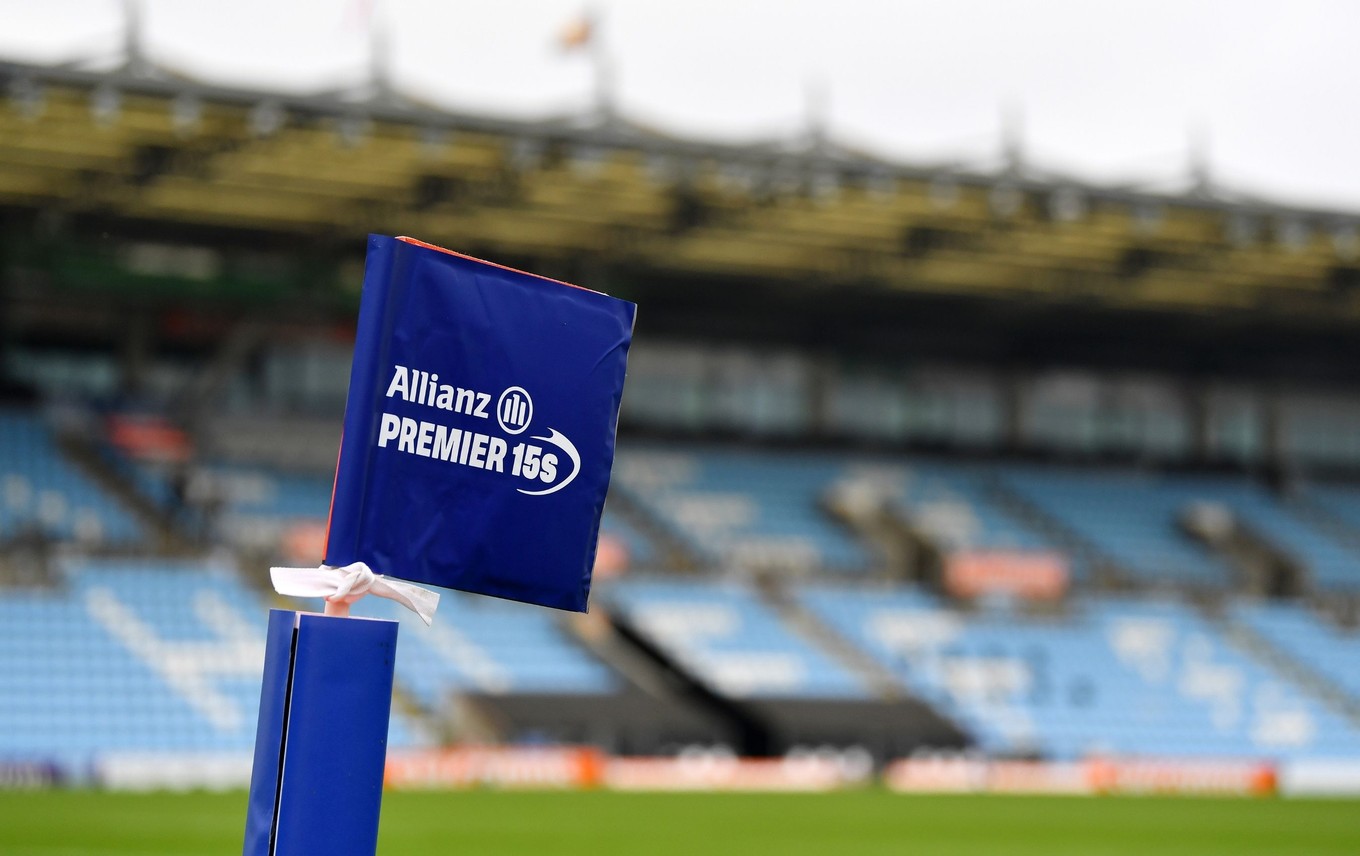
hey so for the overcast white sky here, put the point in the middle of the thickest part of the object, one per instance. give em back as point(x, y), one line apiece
point(1106, 90)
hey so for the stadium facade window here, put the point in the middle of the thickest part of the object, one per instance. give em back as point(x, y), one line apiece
point(699, 388)
point(866, 404)
point(306, 377)
point(64, 373)
point(760, 394)
point(1236, 424)
point(696, 388)
point(1086, 414)
point(1060, 413)
point(666, 386)
point(1320, 428)
point(164, 380)
point(976, 409)
point(932, 406)
point(1156, 412)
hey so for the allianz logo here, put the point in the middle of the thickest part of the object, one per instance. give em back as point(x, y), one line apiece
point(514, 410)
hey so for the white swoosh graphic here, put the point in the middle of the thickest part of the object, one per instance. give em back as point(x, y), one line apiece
point(559, 440)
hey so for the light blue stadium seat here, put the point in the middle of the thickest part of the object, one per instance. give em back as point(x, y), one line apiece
point(1131, 517)
point(1342, 502)
point(642, 552)
point(732, 641)
point(488, 645)
point(259, 491)
point(1308, 638)
point(979, 521)
point(134, 656)
point(739, 507)
point(40, 490)
point(1115, 676)
point(1330, 564)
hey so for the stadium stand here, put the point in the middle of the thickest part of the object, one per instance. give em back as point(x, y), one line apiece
point(1044, 391)
point(1309, 639)
point(490, 646)
point(43, 492)
point(1135, 518)
point(953, 503)
point(745, 509)
point(254, 505)
point(197, 250)
point(1130, 677)
point(733, 642)
point(133, 657)
point(641, 551)
point(1330, 564)
point(1125, 676)
point(1340, 501)
point(1114, 676)
point(1130, 517)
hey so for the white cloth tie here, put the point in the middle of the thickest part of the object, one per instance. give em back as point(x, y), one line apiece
point(348, 584)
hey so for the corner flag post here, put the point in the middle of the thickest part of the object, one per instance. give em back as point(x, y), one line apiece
point(476, 452)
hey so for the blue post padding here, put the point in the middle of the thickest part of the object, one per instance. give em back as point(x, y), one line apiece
point(330, 746)
point(264, 775)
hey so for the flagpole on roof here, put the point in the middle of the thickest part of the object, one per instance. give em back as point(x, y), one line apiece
point(380, 59)
point(604, 80)
point(134, 51)
point(816, 105)
point(1199, 176)
point(582, 33)
point(1013, 160)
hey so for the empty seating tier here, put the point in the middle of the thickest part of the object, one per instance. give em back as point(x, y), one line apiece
point(40, 491)
point(1115, 676)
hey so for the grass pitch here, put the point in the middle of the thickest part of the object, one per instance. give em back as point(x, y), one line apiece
point(484, 823)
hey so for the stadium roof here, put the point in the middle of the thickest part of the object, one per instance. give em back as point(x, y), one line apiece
point(144, 144)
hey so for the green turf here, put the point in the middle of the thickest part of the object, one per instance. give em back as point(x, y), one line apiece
point(868, 822)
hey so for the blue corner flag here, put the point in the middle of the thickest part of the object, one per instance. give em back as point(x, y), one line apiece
point(479, 428)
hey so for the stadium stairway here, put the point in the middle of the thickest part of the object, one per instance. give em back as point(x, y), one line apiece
point(807, 624)
point(1265, 569)
point(743, 730)
point(1316, 512)
point(743, 508)
point(597, 633)
point(83, 455)
point(1103, 571)
point(675, 554)
point(649, 683)
point(1300, 673)
point(762, 715)
point(197, 403)
point(877, 524)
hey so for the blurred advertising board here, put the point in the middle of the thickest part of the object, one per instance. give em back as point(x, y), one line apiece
point(1093, 776)
point(611, 557)
point(149, 437)
point(718, 773)
point(579, 767)
point(495, 767)
point(1318, 777)
point(31, 775)
point(1160, 776)
point(976, 775)
point(172, 771)
point(1026, 575)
